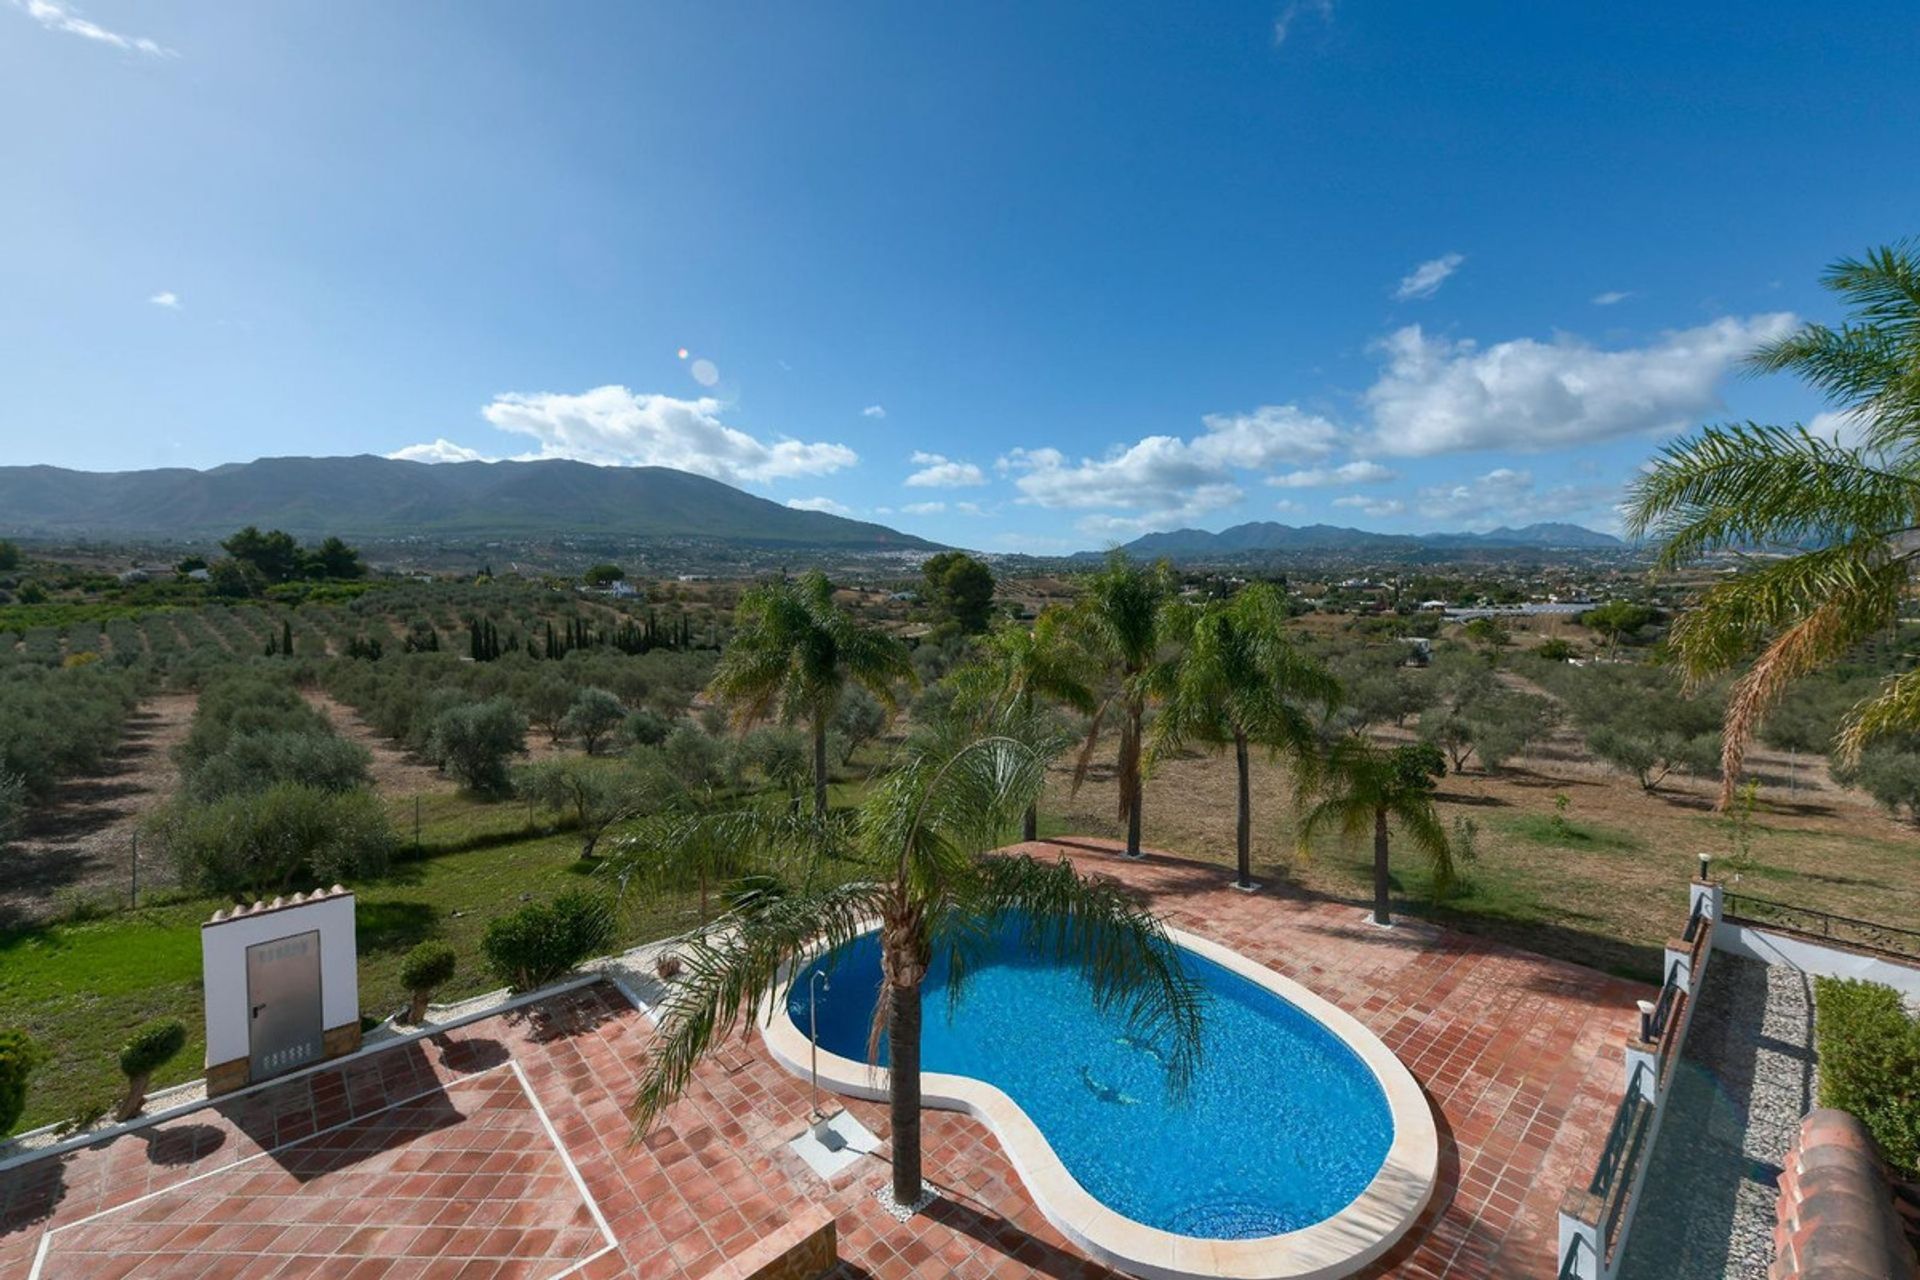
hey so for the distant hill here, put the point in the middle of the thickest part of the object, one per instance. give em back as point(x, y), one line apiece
point(1266, 536)
point(369, 497)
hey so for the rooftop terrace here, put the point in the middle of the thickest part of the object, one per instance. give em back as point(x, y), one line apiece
point(502, 1148)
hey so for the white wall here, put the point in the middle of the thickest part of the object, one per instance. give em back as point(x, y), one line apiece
point(1812, 957)
point(223, 957)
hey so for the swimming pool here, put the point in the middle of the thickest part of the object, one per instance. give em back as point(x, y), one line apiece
point(1299, 1144)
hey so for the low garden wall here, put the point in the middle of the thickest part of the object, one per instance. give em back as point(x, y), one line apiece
point(1595, 1218)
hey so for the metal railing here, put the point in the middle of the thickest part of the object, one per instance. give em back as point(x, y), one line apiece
point(1870, 935)
point(1570, 1264)
point(1613, 1175)
point(1696, 919)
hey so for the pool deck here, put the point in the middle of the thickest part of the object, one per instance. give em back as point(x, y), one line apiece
point(501, 1149)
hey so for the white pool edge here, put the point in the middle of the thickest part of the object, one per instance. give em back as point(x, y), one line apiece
point(1337, 1246)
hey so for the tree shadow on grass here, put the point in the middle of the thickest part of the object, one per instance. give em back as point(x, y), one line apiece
point(393, 926)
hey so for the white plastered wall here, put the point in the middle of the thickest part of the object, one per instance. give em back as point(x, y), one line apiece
point(223, 953)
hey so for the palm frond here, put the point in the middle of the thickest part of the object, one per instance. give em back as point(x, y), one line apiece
point(1748, 485)
point(725, 974)
point(1093, 926)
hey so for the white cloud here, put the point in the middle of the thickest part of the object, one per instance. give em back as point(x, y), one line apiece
point(1425, 280)
point(940, 472)
point(613, 426)
point(1166, 479)
point(166, 298)
point(1283, 25)
point(1287, 506)
point(874, 411)
point(1371, 506)
point(1611, 296)
point(56, 15)
point(1359, 471)
point(924, 508)
point(827, 505)
point(970, 509)
point(1842, 427)
point(1436, 395)
point(441, 450)
point(1508, 496)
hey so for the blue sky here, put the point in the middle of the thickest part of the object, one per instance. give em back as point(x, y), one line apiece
point(1020, 277)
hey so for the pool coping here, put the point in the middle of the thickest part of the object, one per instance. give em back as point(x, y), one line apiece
point(1337, 1246)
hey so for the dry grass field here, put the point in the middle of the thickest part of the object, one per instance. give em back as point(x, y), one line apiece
point(1605, 886)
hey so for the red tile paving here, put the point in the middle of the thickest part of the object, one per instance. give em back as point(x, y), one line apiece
point(1520, 1055)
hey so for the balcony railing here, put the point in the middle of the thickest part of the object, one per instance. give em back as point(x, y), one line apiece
point(1614, 1174)
point(1869, 935)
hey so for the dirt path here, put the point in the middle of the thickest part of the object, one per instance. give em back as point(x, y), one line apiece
point(396, 771)
point(81, 842)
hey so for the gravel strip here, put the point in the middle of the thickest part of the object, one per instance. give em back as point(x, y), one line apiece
point(1742, 1085)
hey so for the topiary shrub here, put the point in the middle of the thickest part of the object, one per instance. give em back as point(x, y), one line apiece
point(19, 1055)
point(1868, 1048)
point(426, 968)
point(152, 1047)
point(535, 945)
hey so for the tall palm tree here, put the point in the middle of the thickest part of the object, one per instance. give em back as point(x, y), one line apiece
point(1237, 681)
point(1118, 613)
point(937, 893)
point(795, 651)
point(1017, 668)
point(1358, 785)
point(1854, 506)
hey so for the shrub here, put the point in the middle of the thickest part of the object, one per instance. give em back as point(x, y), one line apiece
point(535, 945)
point(474, 741)
point(152, 1047)
point(698, 759)
point(1868, 1048)
point(19, 1055)
point(595, 713)
point(273, 838)
point(426, 968)
point(13, 801)
point(256, 760)
point(646, 728)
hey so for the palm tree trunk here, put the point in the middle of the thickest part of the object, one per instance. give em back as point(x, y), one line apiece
point(820, 767)
point(1381, 915)
point(903, 1035)
point(1243, 833)
point(1130, 779)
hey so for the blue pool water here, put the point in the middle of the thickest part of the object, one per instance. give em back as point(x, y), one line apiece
point(1281, 1128)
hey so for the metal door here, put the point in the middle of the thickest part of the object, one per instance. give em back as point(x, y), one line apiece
point(283, 995)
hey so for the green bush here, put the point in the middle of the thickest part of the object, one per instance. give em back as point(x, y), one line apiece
point(152, 1047)
point(1869, 1054)
point(541, 941)
point(426, 968)
point(19, 1055)
point(258, 759)
point(474, 741)
point(274, 838)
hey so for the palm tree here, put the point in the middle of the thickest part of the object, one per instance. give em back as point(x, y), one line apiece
point(1360, 785)
point(1118, 614)
point(796, 651)
point(1016, 668)
point(1237, 681)
point(1855, 506)
point(936, 892)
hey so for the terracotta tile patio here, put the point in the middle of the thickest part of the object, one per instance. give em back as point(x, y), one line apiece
point(327, 1176)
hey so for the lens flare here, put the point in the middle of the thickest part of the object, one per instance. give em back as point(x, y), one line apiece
point(683, 353)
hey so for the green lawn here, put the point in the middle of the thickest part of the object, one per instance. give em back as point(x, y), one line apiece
point(80, 989)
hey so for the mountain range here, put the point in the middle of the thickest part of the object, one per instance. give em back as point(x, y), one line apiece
point(1266, 536)
point(370, 497)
